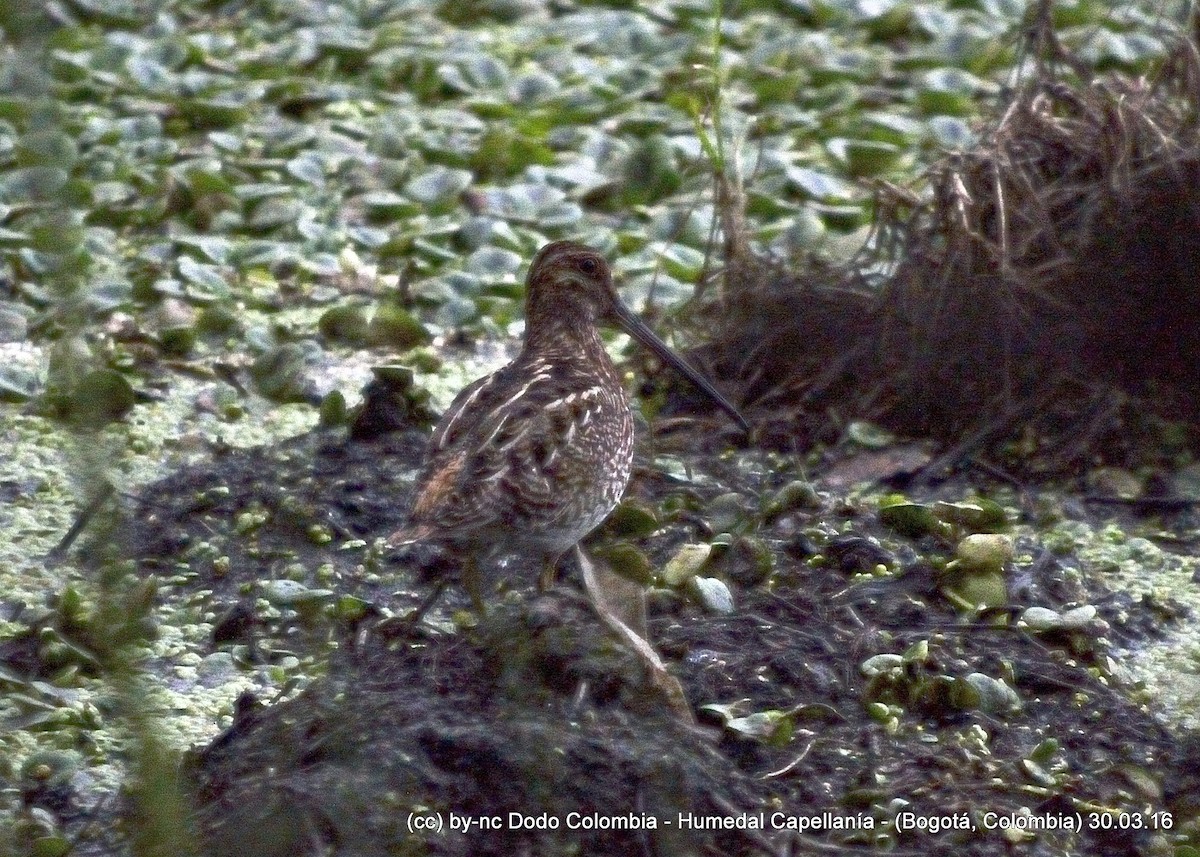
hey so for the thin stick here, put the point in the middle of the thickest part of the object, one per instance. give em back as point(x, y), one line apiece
point(56, 553)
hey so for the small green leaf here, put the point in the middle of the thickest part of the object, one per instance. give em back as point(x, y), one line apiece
point(439, 187)
point(627, 561)
point(17, 383)
point(633, 519)
point(869, 436)
point(768, 727)
point(281, 373)
point(345, 323)
point(685, 564)
point(102, 396)
point(817, 184)
point(392, 326)
point(984, 551)
point(204, 282)
point(909, 519)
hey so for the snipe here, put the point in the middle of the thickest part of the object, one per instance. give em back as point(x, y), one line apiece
point(536, 455)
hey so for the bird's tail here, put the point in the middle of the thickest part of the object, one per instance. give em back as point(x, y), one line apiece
point(409, 534)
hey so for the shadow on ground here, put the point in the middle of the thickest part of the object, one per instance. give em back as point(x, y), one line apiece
point(536, 711)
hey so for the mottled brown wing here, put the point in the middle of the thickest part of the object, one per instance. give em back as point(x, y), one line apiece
point(463, 412)
point(437, 504)
point(433, 497)
point(506, 456)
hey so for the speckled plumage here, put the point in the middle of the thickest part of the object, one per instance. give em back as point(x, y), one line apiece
point(536, 455)
point(540, 452)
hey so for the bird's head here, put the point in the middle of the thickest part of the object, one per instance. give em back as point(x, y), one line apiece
point(570, 289)
point(569, 283)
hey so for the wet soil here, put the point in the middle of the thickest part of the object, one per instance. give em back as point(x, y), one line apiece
point(535, 711)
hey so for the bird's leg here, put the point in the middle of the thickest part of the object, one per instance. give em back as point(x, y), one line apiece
point(473, 583)
point(607, 603)
point(430, 599)
point(399, 626)
point(549, 572)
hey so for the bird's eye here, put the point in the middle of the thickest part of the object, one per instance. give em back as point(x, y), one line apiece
point(588, 265)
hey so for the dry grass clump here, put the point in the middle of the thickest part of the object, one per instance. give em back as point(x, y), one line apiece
point(1046, 286)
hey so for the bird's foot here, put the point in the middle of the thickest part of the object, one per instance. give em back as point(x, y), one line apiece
point(396, 627)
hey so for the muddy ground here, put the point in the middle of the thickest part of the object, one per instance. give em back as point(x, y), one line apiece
point(535, 710)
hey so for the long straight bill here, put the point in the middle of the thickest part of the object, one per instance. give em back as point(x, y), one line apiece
point(636, 328)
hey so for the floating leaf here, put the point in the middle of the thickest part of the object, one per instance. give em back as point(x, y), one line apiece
point(725, 711)
point(204, 179)
point(48, 148)
point(682, 262)
point(14, 322)
point(367, 236)
point(50, 768)
point(817, 184)
point(222, 112)
point(1037, 774)
point(150, 74)
point(1042, 619)
point(453, 78)
point(948, 91)
point(308, 167)
point(175, 322)
point(349, 608)
point(892, 128)
point(350, 46)
point(842, 217)
point(32, 183)
point(438, 187)
point(882, 664)
point(977, 589)
point(17, 383)
point(533, 87)
point(867, 157)
point(214, 247)
point(12, 238)
point(797, 494)
point(727, 512)
point(274, 212)
point(492, 263)
point(204, 282)
point(986, 694)
point(333, 411)
point(951, 132)
point(651, 172)
point(560, 215)
point(838, 66)
point(978, 514)
point(106, 294)
point(297, 596)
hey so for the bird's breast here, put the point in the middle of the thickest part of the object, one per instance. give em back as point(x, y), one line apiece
point(590, 467)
